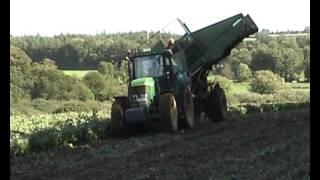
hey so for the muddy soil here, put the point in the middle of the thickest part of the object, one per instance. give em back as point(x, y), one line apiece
point(255, 146)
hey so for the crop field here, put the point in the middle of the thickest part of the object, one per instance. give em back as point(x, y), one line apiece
point(257, 141)
point(38, 133)
point(41, 132)
point(271, 145)
point(77, 73)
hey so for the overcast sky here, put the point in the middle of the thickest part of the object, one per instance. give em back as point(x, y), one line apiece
point(49, 17)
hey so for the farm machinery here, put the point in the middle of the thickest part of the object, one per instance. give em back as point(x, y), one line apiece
point(169, 85)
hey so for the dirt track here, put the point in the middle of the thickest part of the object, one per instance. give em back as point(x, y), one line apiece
point(266, 146)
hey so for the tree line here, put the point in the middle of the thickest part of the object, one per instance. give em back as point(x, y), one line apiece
point(35, 62)
point(85, 51)
point(43, 80)
point(288, 57)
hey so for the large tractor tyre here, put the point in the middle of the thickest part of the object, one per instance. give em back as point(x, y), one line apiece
point(117, 114)
point(188, 109)
point(168, 112)
point(216, 106)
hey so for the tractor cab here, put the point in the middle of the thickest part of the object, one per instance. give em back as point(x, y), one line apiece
point(154, 72)
point(152, 64)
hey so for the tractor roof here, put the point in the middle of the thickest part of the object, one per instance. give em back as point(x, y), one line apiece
point(149, 51)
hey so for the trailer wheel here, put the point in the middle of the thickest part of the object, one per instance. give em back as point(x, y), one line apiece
point(216, 106)
point(188, 109)
point(168, 112)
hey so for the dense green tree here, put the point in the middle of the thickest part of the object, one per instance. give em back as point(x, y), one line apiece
point(18, 57)
point(306, 52)
point(244, 72)
point(290, 65)
point(97, 84)
point(20, 67)
point(48, 64)
point(17, 93)
point(273, 44)
point(240, 56)
point(303, 41)
point(307, 69)
point(288, 42)
point(263, 59)
point(106, 68)
point(265, 82)
point(85, 51)
point(42, 80)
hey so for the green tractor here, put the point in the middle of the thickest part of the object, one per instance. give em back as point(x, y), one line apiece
point(169, 85)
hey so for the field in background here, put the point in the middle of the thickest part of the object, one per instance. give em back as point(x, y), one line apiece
point(77, 73)
point(237, 88)
point(240, 88)
point(301, 86)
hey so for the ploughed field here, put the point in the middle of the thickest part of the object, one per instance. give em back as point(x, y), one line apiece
point(271, 145)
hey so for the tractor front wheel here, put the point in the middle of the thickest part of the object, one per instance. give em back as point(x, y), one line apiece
point(168, 112)
point(117, 115)
point(188, 109)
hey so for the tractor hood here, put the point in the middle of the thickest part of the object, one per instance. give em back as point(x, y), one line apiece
point(146, 81)
point(143, 90)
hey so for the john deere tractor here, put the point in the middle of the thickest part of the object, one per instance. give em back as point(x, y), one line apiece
point(169, 85)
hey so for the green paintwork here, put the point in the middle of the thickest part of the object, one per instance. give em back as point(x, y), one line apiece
point(148, 82)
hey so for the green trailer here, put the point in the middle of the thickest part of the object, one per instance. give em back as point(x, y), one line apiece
point(169, 85)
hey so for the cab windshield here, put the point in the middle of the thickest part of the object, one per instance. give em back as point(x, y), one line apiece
point(148, 66)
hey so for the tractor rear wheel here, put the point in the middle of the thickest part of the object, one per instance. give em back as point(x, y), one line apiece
point(216, 106)
point(168, 112)
point(188, 109)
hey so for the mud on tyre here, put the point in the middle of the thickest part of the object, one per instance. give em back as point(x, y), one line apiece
point(117, 115)
point(187, 121)
point(168, 112)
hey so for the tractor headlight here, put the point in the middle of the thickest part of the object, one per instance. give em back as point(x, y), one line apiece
point(142, 98)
